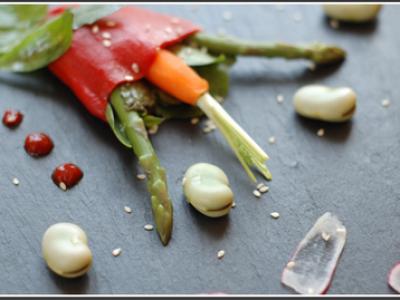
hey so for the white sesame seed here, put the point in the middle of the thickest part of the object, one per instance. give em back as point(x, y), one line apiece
point(168, 29)
point(106, 35)
point(341, 230)
point(280, 98)
point(275, 215)
point(116, 252)
point(129, 78)
point(321, 132)
point(175, 21)
point(210, 124)
point(111, 24)
point(264, 189)
point(95, 29)
point(325, 236)
point(106, 43)
point(260, 185)
point(233, 204)
point(148, 227)
point(385, 102)
point(257, 193)
point(220, 254)
point(141, 176)
point(179, 30)
point(194, 121)
point(153, 129)
point(63, 186)
point(334, 24)
point(311, 291)
point(290, 264)
point(15, 181)
point(147, 28)
point(135, 67)
point(312, 66)
point(272, 140)
point(227, 15)
point(128, 210)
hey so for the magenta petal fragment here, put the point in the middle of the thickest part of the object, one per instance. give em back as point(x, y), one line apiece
point(312, 266)
point(394, 277)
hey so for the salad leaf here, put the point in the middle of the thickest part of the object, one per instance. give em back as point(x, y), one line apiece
point(195, 56)
point(40, 47)
point(218, 78)
point(117, 127)
point(14, 17)
point(89, 14)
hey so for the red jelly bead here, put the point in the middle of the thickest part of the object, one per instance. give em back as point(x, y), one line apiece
point(67, 175)
point(38, 144)
point(12, 118)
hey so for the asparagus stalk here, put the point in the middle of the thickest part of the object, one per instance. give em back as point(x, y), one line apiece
point(316, 52)
point(156, 178)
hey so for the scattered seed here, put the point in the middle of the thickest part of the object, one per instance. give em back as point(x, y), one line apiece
point(272, 140)
point(106, 35)
point(233, 204)
point(147, 28)
point(298, 17)
point(227, 15)
point(194, 121)
point(310, 291)
point(220, 254)
point(385, 102)
point(116, 252)
point(321, 132)
point(153, 129)
point(111, 24)
point(129, 78)
point(63, 186)
point(340, 230)
point(325, 236)
point(264, 189)
point(280, 98)
point(106, 43)
point(168, 29)
point(209, 126)
point(257, 193)
point(290, 264)
point(141, 176)
point(312, 66)
point(135, 68)
point(148, 227)
point(95, 29)
point(334, 24)
point(260, 185)
point(128, 210)
point(15, 181)
point(275, 215)
point(175, 21)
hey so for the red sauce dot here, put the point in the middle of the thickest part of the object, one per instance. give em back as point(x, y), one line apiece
point(12, 118)
point(67, 175)
point(38, 144)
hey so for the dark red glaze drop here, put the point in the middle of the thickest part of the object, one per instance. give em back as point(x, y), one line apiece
point(12, 118)
point(67, 175)
point(38, 144)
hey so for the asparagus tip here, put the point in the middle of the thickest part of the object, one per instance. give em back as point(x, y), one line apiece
point(323, 54)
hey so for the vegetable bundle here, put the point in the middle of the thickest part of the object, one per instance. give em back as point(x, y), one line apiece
point(135, 69)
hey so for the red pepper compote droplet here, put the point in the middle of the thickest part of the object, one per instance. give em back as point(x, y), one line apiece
point(67, 175)
point(12, 118)
point(38, 144)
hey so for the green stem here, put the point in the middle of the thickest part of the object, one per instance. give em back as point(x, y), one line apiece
point(317, 52)
point(156, 178)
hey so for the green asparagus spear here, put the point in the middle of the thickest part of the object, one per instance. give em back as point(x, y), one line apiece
point(317, 52)
point(156, 179)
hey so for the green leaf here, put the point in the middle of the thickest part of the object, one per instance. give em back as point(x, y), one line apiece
point(89, 14)
point(150, 120)
point(40, 47)
point(14, 17)
point(218, 78)
point(196, 57)
point(117, 127)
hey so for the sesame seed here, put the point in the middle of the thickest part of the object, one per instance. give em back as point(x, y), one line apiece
point(321, 132)
point(15, 181)
point(129, 78)
point(233, 204)
point(221, 254)
point(290, 264)
point(194, 121)
point(272, 140)
point(260, 185)
point(95, 29)
point(227, 15)
point(280, 98)
point(106, 35)
point(334, 24)
point(116, 252)
point(168, 29)
point(275, 215)
point(111, 24)
point(341, 230)
point(175, 21)
point(153, 129)
point(148, 227)
point(147, 28)
point(106, 43)
point(141, 176)
point(264, 189)
point(385, 102)
point(63, 186)
point(257, 193)
point(325, 236)
point(312, 66)
point(135, 68)
point(310, 291)
point(128, 210)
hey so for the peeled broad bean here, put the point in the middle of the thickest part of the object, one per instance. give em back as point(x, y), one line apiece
point(355, 13)
point(325, 103)
point(206, 188)
point(65, 250)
